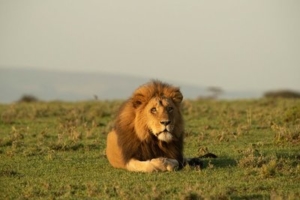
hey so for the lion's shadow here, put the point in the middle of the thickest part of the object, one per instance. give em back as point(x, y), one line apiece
point(215, 162)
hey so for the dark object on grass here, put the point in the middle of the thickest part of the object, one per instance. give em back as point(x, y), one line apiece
point(197, 162)
point(208, 155)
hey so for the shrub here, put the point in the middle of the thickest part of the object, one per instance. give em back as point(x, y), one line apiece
point(282, 94)
point(28, 99)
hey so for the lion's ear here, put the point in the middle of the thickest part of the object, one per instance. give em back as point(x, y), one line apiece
point(137, 100)
point(177, 96)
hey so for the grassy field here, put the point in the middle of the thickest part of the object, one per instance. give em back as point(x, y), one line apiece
point(56, 150)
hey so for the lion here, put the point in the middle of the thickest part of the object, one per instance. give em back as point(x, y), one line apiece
point(148, 132)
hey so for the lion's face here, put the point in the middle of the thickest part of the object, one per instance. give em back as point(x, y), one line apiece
point(160, 114)
point(156, 111)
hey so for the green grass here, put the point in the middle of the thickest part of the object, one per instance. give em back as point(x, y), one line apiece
point(56, 150)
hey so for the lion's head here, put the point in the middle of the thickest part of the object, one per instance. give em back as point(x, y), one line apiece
point(157, 111)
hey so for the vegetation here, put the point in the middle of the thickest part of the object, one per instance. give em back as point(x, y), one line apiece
point(28, 98)
point(56, 150)
point(282, 94)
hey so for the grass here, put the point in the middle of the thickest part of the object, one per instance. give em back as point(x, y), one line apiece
point(56, 150)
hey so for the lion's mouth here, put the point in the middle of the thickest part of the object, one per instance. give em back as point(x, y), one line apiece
point(164, 131)
point(164, 135)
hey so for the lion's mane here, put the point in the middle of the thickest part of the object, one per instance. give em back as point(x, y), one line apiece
point(133, 138)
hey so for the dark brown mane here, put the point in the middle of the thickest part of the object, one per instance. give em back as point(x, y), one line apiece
point(132, 147)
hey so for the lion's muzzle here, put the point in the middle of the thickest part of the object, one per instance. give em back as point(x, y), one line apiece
point(165, 122)
point(164, 136)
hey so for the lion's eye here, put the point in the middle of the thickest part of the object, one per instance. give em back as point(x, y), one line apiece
point(153, 110)
point(170, 109)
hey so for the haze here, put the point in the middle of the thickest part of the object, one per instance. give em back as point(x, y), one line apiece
point(235, 45)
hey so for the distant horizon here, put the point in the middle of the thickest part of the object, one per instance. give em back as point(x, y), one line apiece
point(145, 77)
point(51, 85)
point(94, 71)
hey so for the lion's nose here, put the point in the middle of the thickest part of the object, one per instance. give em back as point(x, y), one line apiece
point(165, 122)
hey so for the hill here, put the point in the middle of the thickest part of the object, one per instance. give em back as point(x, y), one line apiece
point(77, 86)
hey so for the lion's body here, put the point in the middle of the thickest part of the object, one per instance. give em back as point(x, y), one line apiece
point(148, 131)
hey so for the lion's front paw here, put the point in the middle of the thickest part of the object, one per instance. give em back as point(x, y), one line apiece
point(164, 164)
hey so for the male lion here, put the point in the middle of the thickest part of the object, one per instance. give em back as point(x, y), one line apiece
point(148, 131)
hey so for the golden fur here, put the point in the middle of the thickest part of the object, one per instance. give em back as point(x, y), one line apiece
point(148, 131)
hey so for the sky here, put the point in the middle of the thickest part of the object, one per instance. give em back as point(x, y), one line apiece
point(232, 44)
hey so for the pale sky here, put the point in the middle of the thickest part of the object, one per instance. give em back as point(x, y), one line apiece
point(234, 44)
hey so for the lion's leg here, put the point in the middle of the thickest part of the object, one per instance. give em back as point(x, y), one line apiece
point(113, 151)
point(156, 164)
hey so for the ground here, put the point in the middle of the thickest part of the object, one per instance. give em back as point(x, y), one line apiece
point(57, 150)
